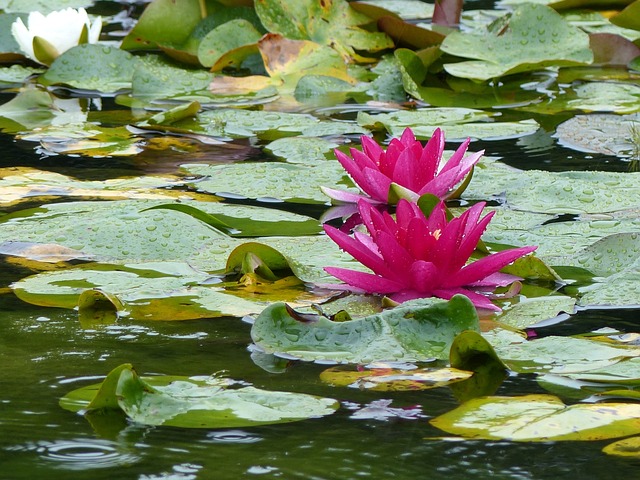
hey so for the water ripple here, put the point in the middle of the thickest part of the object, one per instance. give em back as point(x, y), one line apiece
point(80, 454)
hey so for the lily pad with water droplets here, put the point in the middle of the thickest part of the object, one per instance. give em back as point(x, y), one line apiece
point(111, 69)
point(284, 182)
point(193, 402)
point(561, 355)
point(414, 331)
point(457, 123)
point(533, 37)
point(601, 133)
point(158, 291)
point(133, 233)
point(536, 418)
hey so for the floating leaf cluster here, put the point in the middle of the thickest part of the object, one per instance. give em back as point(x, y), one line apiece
point(211, 104)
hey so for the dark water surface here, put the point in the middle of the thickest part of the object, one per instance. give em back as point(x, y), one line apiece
point(44, 354)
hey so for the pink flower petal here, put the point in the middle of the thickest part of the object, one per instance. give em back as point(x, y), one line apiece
point(482, 268)
point(478, 300)
point(377, 184)
point(431, 156)
point(344, 196)
point(367, 282)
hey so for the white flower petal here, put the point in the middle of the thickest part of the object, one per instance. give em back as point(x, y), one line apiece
point(62, 29)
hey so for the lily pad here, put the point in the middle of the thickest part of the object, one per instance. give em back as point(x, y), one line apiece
point(627, 448)
point(537, 418)
point(602, 133)
point(457, 123)
point(415, 331)
point(614, 97)
point(159, 291)
point(379, 377)
point(620, 289)
point(536, 37)
point(193, 402)
point(291, 183)
point(43, 6)
point(534, 310)
point(134, 233)
point(332, 23)
point(228, 36)
point(561, 355)
point(286, 61)
point(111, 69)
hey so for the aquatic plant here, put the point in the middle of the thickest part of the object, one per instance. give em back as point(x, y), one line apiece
point(414, 256)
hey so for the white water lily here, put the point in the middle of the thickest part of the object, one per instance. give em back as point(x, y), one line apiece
point(46, 37)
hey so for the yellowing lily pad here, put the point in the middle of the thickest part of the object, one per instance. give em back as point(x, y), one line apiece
point(381, 378)
point(537, 418)
point(627, 448)
point(332, 23)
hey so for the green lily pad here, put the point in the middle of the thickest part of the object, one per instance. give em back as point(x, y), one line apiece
point(420, 83)
point(302, 150)
point(471, 351)
point(164, 22)
point(593, 97)
point(574, 192)
point(532, 41)
point(561, 355)
point(9, 48)
point(134, 233)
point(610, 255)
point(619, 289)
point(42, 6)
point(228, 36)
point(414, 331)
point(291, 183)
point(158, 291)
point(406, 9)
point(608, 134)
point(629, 17)
point(627, 447)
point(457, 123)
point(534, 310)
point(536, 418)
point(193, 402)
point(333, 23)
point(31, 108)
point(157, 79)
point(111, 69)
point(16, 74)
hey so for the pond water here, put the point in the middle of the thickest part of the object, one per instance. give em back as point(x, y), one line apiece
point(44, 354)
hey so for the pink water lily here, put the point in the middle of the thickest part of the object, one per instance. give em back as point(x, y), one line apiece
point(405, 163)
point(413, 256)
